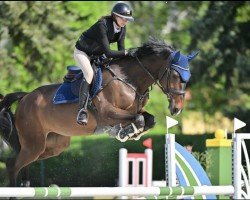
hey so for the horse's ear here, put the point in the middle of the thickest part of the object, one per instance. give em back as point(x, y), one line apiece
point(176, 57)
point(192, 55)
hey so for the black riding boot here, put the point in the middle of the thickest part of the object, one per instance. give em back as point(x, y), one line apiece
point(82, 117)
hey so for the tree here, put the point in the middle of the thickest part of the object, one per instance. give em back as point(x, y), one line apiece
point(222, 78)
point(37, 40)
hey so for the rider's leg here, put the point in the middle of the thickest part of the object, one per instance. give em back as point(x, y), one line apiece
point(84, 63)
point(82, 116)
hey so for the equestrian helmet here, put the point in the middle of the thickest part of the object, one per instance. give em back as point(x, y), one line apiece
point(123, 10)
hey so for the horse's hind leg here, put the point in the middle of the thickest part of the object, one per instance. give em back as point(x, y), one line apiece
point(27, 155)
point(55, 144)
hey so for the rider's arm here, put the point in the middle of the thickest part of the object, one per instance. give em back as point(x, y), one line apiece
point(120, 43)
point(103, 31)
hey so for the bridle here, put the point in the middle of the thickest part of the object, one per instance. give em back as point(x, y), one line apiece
point(141, 96)
point(163, 70)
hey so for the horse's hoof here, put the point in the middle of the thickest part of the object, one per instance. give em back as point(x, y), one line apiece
point(122, 139)
point(121, 136)
point(25, 183)
point(138, 137)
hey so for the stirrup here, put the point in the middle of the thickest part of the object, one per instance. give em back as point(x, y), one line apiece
point(82, 116)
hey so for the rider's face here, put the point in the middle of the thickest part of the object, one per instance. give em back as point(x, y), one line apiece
point(121, 21)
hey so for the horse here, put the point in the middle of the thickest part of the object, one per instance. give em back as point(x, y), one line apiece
point(40, 129)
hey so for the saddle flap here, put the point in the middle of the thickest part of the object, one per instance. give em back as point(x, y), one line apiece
point(68, 91)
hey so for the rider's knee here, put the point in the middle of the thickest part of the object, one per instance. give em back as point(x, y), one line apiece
point(89, 75)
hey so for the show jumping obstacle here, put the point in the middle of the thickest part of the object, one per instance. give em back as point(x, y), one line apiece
point(239, 176)
point(135, 169)
point(114, 191)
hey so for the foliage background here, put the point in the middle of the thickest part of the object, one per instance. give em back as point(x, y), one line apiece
point(37, 40)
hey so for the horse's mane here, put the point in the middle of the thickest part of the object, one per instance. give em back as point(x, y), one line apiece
point(153, 45)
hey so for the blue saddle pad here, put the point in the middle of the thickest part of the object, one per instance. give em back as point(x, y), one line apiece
point(68, 92)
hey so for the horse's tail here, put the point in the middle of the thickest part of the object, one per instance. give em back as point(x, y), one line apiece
point(7, 126)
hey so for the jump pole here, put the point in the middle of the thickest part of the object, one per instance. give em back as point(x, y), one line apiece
point(54, 192)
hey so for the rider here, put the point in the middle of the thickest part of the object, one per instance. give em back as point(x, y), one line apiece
point(95, 42)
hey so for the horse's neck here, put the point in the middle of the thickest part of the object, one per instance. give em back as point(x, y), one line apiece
point(132, 72)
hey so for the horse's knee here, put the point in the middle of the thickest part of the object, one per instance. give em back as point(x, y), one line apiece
point(149, 121)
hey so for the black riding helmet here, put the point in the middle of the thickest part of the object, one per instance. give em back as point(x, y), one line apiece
point(123, 10)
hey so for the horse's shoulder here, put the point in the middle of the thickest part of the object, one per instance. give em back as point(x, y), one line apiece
point(114, 70)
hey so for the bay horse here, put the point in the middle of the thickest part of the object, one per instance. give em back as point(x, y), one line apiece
point(40, 129)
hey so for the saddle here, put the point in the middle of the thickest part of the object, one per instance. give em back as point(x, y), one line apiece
point(68, 91)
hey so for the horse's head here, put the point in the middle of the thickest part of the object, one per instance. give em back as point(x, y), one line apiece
point(173, 79)
point(159, 63)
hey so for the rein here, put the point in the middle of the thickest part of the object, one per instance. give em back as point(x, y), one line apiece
point(168, 91)
point(116, 77)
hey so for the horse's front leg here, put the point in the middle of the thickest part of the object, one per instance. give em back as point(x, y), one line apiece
point(149, 120)
point(126, 124)
point(149, 123)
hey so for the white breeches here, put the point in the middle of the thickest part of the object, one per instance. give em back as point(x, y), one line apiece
point(83, 62)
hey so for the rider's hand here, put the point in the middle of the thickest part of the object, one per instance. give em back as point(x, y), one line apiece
point(131, 52)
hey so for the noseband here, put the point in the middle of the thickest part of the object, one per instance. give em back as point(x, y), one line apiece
point(163, 70)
